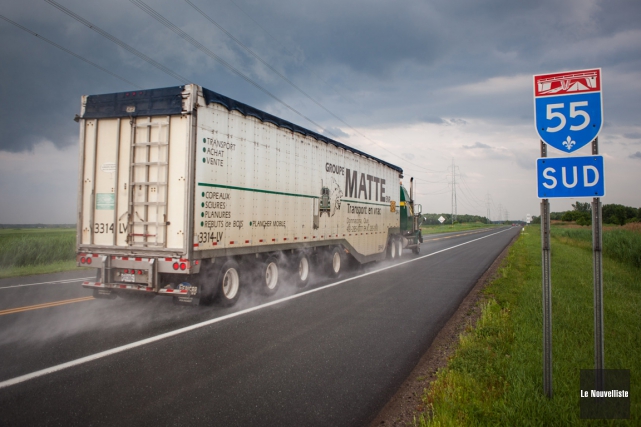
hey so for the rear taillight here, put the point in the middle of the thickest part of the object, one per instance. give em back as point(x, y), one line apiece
point(176, 266)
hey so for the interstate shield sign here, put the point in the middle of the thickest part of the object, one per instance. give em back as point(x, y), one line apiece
point(567, 108)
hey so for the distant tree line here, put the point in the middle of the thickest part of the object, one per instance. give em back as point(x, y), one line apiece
point(582, 214)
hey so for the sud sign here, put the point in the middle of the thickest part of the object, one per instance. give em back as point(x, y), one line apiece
point(570, 177)
point(567, 107)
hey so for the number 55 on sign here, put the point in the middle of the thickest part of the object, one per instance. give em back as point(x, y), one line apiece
point(567, 108)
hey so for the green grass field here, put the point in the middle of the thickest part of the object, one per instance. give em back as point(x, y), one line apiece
point(36, 251)
point(446, 228)
point(495, 377)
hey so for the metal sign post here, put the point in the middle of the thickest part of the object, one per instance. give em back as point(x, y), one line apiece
point(547, 290)
point(597, 255)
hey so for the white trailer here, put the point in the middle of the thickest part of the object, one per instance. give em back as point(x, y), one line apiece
point(187, 193)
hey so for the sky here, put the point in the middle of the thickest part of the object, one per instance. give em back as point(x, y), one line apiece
point(424, 85)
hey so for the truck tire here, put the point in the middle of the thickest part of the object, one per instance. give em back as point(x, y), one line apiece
point(302, 270)
point(335, 262)
point(417, 249)
point(270, 276)
point(228, 284)
point(391, 250)
point(399, 246)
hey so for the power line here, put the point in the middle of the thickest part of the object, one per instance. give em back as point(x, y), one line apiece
point(464, 181)
point(160, 18)
point(150, 11)
point(255, 55)
point(472, 209)
point(160, 66)
point(470, 199)
point(454, 207)
point(310, 70)
point(119, 42)
point(437, 192)
point(488, 207)
point(470, 204)
point(164, 21)
point(431, 182)
point(43, 38)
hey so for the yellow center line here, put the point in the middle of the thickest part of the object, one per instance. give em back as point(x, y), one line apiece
point(44, 305)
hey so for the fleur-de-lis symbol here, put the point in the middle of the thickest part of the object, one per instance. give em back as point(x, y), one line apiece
point(569, 143)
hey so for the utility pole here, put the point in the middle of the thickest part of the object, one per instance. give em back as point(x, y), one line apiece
point(500, 213)
point(487, 207)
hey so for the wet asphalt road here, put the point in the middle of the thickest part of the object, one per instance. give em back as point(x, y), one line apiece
point(331, 355)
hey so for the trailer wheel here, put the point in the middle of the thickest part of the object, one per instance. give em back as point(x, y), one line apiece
point(302, 270)
point(391, 250)
point(335, 262)
point(228, 284)
point(399, 242)
point(270, 276)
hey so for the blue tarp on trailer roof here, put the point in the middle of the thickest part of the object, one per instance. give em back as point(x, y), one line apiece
point(168, 101)
point(151, 102)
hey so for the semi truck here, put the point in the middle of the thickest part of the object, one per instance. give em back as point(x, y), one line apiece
point(184, 192)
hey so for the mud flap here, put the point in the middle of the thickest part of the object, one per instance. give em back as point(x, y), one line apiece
point(104, 294)
point(192, 297)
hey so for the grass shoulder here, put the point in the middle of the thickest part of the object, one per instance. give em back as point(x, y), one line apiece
point(30, 270)
point(447, 228)
point(36, 251)
point(495, 376)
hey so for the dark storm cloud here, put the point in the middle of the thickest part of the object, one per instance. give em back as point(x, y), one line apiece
point(371, 63)
point(434, 120)
point(478, 145)
point(632, 135)
point(636, 155)
point(457, 121)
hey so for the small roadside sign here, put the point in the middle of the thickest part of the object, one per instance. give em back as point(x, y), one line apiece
point(568, 111)
point(441, 219)
point(568, 177)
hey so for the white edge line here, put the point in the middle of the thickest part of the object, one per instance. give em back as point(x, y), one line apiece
point(80, 279)
point(150, 340)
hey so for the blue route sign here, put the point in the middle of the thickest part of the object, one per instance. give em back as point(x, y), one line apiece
point(570, 177)
point(568, 108)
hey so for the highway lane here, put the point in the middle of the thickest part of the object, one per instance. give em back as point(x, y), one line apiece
point(331, 357)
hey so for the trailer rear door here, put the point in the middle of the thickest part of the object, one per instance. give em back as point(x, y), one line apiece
point(134, 173)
